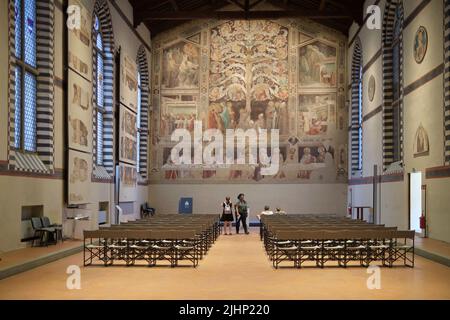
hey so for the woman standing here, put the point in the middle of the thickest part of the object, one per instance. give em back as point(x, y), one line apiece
point(241, 210)
point(227, 215)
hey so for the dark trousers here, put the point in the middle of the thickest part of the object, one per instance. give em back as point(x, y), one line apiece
point(242, 218)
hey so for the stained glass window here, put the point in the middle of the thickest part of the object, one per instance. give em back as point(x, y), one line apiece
point(18, 107)
point(25, 74)
point(99, 86)
point(29, 32)
point(18, 27)
point(30, 112)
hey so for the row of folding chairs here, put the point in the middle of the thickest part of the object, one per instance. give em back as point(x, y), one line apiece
point(341, 247)
point(154, 241)
point(206, 235)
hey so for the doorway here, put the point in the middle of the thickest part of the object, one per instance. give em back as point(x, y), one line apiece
point(415, 200)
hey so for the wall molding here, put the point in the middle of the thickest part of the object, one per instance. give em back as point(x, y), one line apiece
point(372, 61)
point(437, 172)
point(373, 113)
point(385, 178)
point(424, 79)
point(57, 174)
point(413, 15)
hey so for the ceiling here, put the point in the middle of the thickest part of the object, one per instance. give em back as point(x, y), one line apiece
point(161, 15)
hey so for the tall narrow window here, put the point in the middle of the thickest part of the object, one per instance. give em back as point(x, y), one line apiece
point(447, 80)
point(99, 56)
point(396, 85)
point(392, 57)
point(138, 122)
point(356, 108)
point(360, 118)
point(25, 75)
point(142, 112)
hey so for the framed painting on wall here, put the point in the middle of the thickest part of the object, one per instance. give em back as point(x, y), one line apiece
point(79, 43)
point(80, 113)
point(420, 44)
point(128, 182)
point(127, 136)
point(371, 89)
point(421, 143)
point(317, 65)
point(128, 82)
point(79, 180)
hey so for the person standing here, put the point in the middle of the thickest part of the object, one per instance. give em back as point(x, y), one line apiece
point(227, 215)
point(241, 210)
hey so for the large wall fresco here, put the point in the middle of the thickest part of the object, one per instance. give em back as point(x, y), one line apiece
point(285, 74)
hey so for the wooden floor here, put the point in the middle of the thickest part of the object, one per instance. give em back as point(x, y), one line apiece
point(433, 246)
point(235, 268)
point(19, 256)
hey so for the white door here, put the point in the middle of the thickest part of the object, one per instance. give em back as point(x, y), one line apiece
point(415, 198)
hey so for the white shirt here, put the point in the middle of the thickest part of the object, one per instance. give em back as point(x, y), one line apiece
point(267, 213)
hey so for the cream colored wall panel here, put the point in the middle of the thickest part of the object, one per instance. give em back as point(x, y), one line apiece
point(424, 106)
point(431, 17)
point(372, 147)
point(313, 198)
point(376, 71)
point(25, 191)
point(410, 5)
point(394, 204)
point(438, 202)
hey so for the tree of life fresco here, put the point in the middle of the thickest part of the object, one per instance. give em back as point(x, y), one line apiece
point(248, 76)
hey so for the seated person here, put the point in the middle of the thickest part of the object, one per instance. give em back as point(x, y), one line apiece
point(266, 212)
point(279, 211)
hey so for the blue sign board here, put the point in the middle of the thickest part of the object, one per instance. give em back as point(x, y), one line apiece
point(185, 205)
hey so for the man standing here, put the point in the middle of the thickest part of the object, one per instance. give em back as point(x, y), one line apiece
point(241, 210)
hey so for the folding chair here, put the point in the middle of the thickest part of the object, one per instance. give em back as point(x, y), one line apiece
point(401, 249)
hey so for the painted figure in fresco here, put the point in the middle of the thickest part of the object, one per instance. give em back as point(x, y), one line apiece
point(225, 117)
point(307, 157)
point(170, 174)
point(79, 132)
point(79, 171)
point(236, 91)
point(270, 115)
point(284, 119)
point(260, 123)
point(181, 66)
point(317, 65)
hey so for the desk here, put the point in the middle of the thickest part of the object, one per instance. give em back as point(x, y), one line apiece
point(360, 213)
point(74, 227)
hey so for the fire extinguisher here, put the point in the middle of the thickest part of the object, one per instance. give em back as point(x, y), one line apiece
point(349, 209)
point(422, 221)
